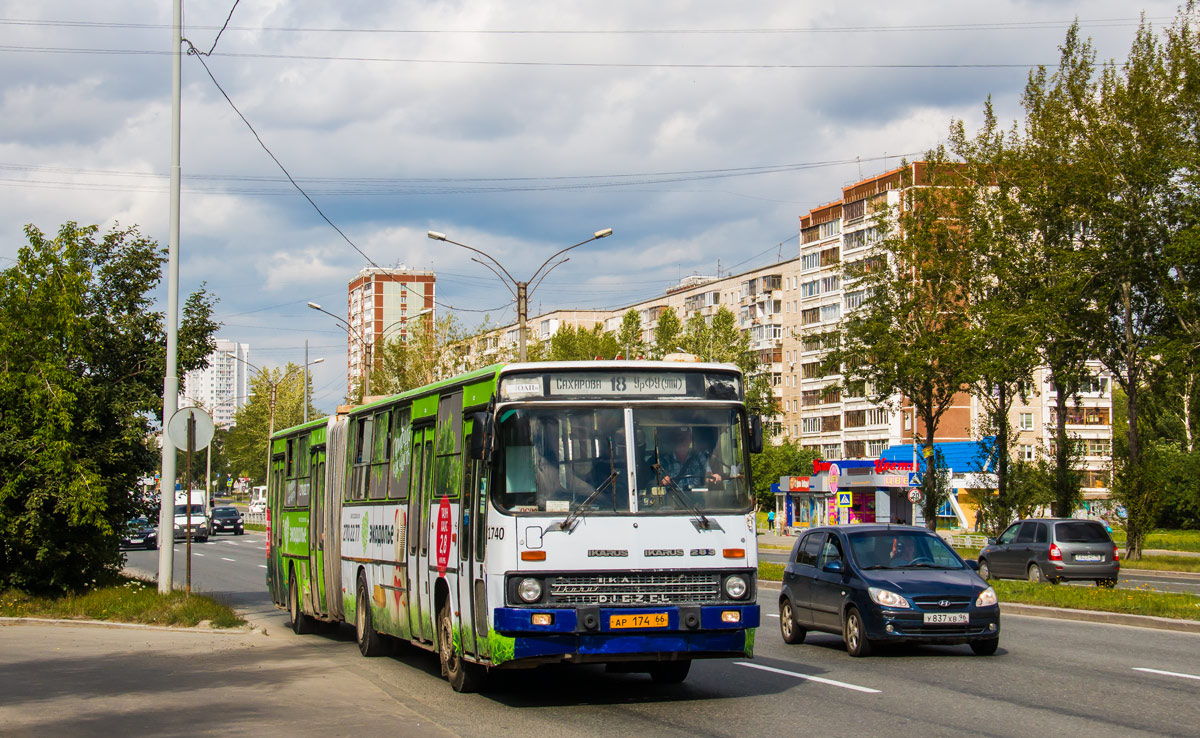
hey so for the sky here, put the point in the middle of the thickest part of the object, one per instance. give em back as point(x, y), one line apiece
point(699, 131)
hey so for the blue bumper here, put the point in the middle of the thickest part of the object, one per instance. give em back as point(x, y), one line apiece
point(589, 632)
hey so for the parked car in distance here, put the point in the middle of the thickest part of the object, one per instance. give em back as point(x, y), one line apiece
point(139, 532)
point(1052, 550)
point(258, 506)
point(875, 584)
point(227, 520)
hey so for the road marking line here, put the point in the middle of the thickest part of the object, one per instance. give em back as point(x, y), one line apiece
point(1166, 673)
point(225, 559)
point(772, 615)
point(197, 554)
point(262, 566)
point(810, 677)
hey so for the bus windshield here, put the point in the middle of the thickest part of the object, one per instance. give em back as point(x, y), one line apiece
point(556, 460)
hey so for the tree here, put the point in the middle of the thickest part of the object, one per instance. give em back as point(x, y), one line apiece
point(784, 459)
point(629, 337)
point(912, 335)
point(666, 333)
point(82, 356)
point(246, 445)
point(432, 351)
point(576, 343)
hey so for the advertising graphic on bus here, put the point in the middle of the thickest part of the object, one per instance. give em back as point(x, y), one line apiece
point(596, 512)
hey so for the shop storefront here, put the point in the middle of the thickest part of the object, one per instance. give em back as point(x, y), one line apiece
point(848, 492)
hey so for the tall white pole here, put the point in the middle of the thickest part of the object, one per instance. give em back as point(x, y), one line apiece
point(166, 512)
point(306, 380)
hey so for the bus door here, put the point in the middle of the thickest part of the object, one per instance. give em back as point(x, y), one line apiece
point(420, 616)
point(276, 581)
point(470, 486)
point(316, 530)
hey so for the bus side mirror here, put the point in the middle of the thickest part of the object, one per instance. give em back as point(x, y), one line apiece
point(756, 434)
point(481, 436)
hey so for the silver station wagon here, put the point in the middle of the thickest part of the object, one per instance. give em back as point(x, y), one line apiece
point(1052, 550)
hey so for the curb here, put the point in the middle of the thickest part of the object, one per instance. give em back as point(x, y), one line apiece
point(1062, 613)
point(1161, 573)
point(133, 626)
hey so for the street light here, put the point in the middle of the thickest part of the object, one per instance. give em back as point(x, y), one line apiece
point(275, 386)
point(522, 289)
point(366, 348)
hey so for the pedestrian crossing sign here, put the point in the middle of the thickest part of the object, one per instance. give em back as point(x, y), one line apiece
point(844, 499)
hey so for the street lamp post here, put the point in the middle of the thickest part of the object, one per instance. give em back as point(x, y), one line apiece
point(521, 289)
point(366, 348)
point(271, 404)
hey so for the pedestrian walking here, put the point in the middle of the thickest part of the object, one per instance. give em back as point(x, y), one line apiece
point(771, 520)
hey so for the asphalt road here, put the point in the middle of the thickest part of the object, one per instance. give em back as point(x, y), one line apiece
point(1129, 579)
point(1050, 677)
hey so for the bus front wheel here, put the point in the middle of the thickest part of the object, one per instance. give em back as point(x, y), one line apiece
point(462, 675)
point(670, 672)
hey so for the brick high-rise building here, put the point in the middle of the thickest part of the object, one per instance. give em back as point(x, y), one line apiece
point(382, 305)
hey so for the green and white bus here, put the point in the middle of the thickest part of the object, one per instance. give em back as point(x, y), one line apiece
point(589, 512)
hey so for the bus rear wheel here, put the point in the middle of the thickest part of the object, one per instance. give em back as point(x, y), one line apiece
point(462, 675)
point(301, 624)
point(370, 643)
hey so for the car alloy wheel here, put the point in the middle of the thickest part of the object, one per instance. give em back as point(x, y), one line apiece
point(985, 570)
point(791, 632)
point(854, 632)
point(1035, 574)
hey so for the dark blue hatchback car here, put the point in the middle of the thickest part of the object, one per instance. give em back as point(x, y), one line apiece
point(876, 584)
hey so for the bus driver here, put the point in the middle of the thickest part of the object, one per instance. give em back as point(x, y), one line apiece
point(683, 464)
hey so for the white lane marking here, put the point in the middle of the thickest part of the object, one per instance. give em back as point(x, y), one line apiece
point(1166, 673)
point(772, 615)
point(810, 677)
point(198, 554)
point(262, 566)
point(225, 559)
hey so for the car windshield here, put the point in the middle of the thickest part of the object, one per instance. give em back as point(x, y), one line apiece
point(196, 509)
point(225, 512)
point(556, 460)
point(901, 549)
point(1080, 531)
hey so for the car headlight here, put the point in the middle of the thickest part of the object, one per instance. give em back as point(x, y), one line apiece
point(887, 598)
point(530, 590)
point(735, 587)
point(986, 598)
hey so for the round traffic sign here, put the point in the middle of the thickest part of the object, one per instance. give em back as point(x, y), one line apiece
point(914, 495)
point(177, 428)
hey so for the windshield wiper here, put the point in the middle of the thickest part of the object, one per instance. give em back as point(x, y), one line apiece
point(568, 523)
point(701, 521)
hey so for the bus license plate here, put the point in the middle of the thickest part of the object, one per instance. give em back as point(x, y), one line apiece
point(946, 617)
point(641, 620)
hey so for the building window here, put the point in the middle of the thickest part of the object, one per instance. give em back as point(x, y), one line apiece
point(1026, 451)
point(831, 451)
point(1026, 421)
point(811, 425)
point(810, 261)
point(829, 284)
point(856, 419)
point(877, 416)
point(810, 289)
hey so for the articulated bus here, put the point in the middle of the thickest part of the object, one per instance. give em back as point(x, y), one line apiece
point(523, 514)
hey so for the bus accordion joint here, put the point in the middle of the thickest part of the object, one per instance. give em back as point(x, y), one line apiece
point(734, 553)
point(533, 556)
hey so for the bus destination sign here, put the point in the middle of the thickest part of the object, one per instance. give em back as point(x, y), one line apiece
point(622, 384)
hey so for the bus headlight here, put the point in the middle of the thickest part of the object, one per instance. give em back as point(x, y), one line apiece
point(530, 590)
point(735, 587)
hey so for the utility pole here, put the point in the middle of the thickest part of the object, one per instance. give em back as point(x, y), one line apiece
point(522, 314)
point(166, 497)
point(306, 380)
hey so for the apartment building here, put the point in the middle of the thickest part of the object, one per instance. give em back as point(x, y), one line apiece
point(223, 386)
point(381, 302)
point(787, 307)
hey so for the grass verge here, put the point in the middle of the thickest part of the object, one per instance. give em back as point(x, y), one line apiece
point(1131, 601)
point(1170, 540)
point(255, 526)
point(128, 600)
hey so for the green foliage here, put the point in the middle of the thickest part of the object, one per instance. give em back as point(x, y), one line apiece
point(571, 343)
point(666, 334)
point(1131, 601)
point(126, 600)
point(433, 351)
point(784, 459)
point(82, 357)
point(246, 444)
point(629, 337)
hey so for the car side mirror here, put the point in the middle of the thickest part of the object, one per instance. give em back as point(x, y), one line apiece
point(756, 434)
point(972, 564)
point(833, 567)
point(481, 436)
